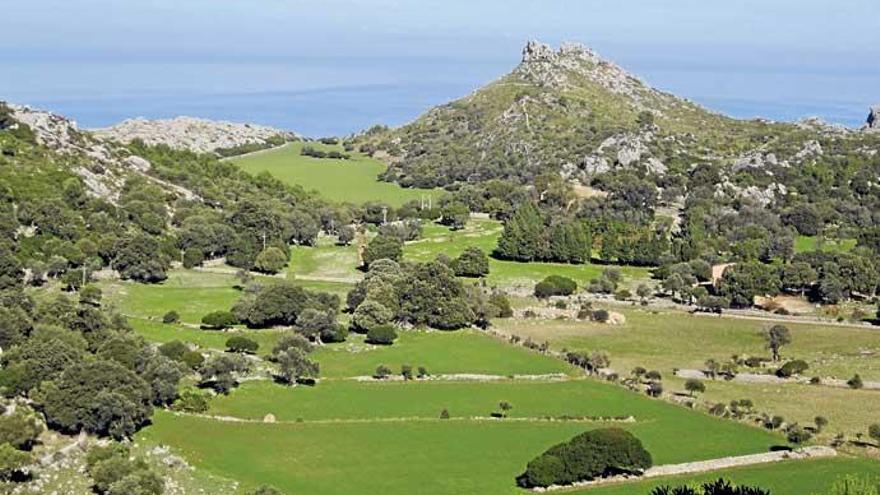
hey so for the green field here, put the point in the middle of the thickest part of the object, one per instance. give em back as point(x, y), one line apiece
point(362, 437)
point(667, 340)
point(809, 477)
point(465, 351)
point(352, 181)
point(803, 244)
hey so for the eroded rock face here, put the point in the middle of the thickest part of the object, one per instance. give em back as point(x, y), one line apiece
point(874, 118)
point(188, 133)
point(104, 167)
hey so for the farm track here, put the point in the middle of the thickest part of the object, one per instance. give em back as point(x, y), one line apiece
point(408, 419)
point(754, 378)
point(813, 452)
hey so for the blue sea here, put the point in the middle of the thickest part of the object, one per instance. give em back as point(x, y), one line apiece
point(321, 97)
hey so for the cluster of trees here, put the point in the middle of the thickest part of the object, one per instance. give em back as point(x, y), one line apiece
point(114, 471)
point(291, 354)
point(420, 294)
point(596, 453)
point(530, 235)
point(314, 314)
point(83, 368)
point(318, 153)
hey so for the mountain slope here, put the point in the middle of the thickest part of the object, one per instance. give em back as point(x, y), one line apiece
point(572, 112)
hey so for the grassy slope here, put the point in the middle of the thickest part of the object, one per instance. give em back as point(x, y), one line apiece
point(805, 244)
point(474, 456)
point(668, 340)
point(353, 181)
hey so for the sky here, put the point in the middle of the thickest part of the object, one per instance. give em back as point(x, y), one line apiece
point(336, 66)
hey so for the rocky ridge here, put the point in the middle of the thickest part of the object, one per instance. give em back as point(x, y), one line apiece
point(193, 134)
point(103, 166)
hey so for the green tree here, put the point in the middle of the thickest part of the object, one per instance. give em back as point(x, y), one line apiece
point(12, 461)
point(241, 345)
point(473, 262)
point(522, 237)
point(455, 214)
point(777, 337)
point(694, 386)
point(382, 247)
point(271, 260)
point(219, 320)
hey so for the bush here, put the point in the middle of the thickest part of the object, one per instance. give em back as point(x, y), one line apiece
point(170, 317)
point(600, 315)
point(370, 314)
point(719, 487)
point(596, 453)
point(173, 350)
point(382, 372)
point(855, 382)
point(473, 262)
point(502, 303)
point(792, 368)
point(382, 335)
point(241, 345)
point(191, 400)
point(219, 320)
point(555, 285)
point(383, 247)
point(193, 359)
point(193, 257)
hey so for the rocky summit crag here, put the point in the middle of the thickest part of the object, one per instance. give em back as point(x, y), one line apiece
point(569, 111)
point(192, 134)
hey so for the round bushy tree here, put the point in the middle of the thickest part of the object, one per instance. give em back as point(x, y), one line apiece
point(600, 452)
point(383, 247)
point(219, 320)
point(241, 345)
point(270, 260)
point(370, 314)
point(382, 335)
point(473, 262)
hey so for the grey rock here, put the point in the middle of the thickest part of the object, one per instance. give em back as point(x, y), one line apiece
point(873, 121)
point(188, 133)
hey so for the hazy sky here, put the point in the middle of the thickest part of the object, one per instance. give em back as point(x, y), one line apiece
point(102, 60)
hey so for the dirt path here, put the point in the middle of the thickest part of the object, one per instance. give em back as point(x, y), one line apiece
point(775, 380)
point(814, 452)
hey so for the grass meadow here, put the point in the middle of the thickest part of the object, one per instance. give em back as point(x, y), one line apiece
point(352, 181)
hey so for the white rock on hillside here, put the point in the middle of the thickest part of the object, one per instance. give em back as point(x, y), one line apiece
point(188, 133)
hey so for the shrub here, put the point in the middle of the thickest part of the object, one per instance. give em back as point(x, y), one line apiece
point(622, 295)
point(170, 317)
point(600, 452)
point(382, 335)
point(855, 382)
point(191, 400)
point(600, 315)
point(719, 487)
point(193, 359)
point(555, 285)
point(242, 345)
point(874, 432)
point(444, 414)
point(797, 435)
point(383, 247)
point(382, 372)
point(423, 372)
point(502, 303)
point(219, 320)
point(173, 350)
point(406, 371)
point(792, 368)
